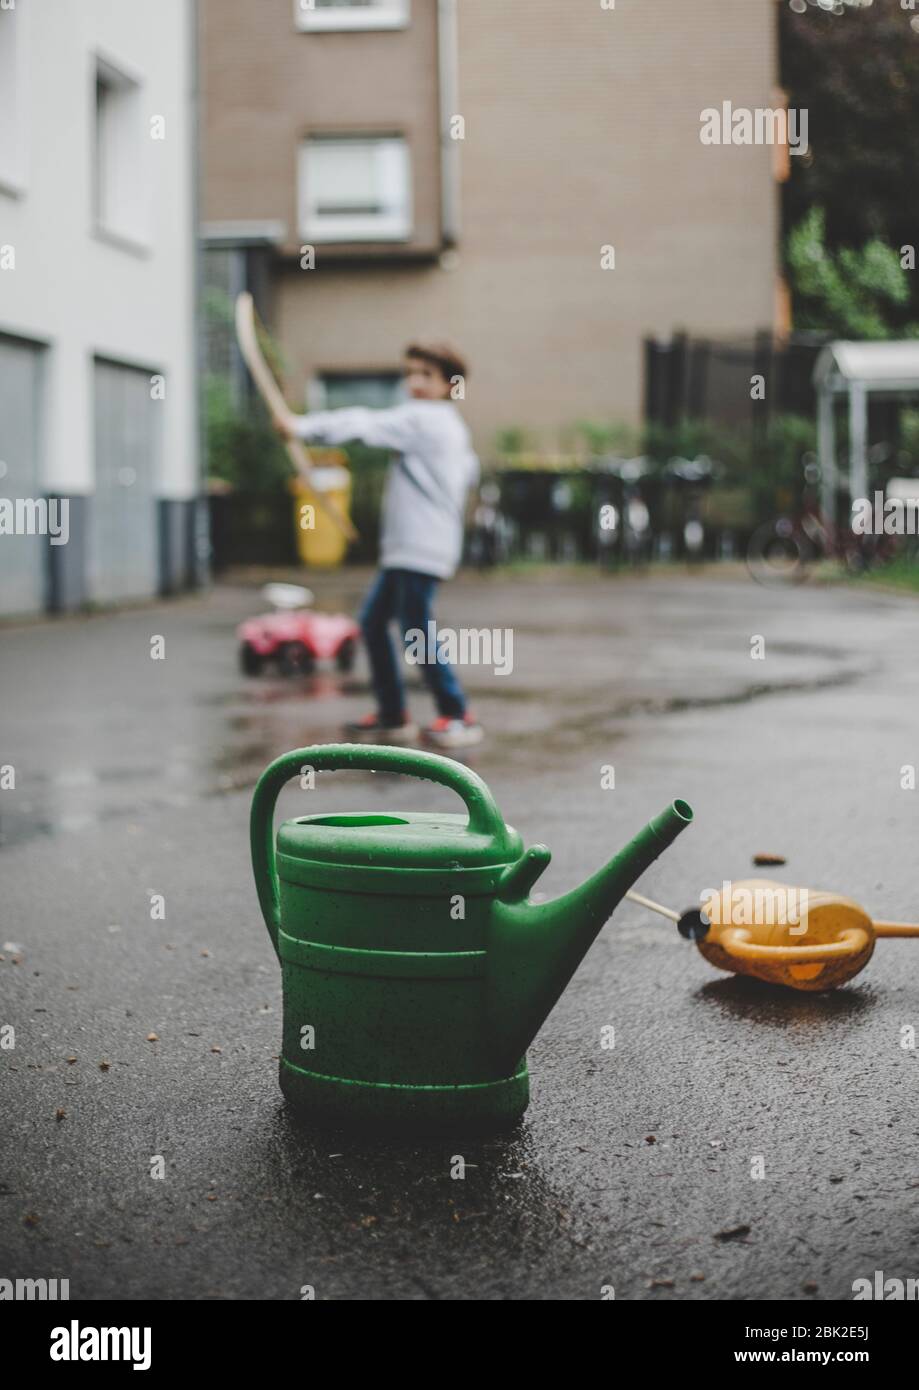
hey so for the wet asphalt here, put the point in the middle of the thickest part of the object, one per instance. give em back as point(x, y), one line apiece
point(140, 1039)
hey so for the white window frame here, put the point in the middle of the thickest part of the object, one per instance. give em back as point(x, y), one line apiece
point(121, 208)
point(383, 14)
point(372, 227)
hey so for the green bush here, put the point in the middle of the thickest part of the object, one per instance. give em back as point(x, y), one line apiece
point(241, 447)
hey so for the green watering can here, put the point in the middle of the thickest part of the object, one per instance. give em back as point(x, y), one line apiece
point(415, 969)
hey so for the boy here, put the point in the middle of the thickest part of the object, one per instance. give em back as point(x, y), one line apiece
point(421, 537)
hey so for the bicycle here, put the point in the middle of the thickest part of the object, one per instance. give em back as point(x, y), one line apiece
point(784, 551)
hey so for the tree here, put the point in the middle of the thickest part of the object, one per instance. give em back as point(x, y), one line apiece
point(851, 292)
point(854, 68)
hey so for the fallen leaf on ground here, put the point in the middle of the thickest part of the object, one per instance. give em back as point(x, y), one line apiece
point(732, 1233)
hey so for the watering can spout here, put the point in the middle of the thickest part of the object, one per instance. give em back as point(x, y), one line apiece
point(535, 948)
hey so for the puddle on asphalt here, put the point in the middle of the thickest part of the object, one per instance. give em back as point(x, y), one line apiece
point(677, 703)
point(263, 716)
point(294, 690)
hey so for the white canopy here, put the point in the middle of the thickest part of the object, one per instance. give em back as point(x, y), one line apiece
point(857, 370)
point(881, 366)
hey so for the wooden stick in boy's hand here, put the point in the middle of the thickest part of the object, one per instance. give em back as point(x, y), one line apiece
point(281, 416)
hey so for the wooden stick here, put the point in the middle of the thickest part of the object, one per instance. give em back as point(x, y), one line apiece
point(270, 392)
point(655, 907)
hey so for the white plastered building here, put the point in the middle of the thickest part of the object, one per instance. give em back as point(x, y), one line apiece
point(98, 393)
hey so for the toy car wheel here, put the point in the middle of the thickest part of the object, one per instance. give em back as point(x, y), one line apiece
point(295, 659)
point(344, 657)
point(250, 661)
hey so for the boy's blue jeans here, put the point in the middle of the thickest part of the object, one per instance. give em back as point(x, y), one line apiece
point(405, 597)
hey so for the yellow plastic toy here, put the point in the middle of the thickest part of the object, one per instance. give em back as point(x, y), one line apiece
point(803, 938)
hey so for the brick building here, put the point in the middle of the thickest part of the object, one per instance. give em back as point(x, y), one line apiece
point(459, 166)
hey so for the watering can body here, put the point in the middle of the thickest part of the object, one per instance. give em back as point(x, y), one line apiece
point(414, 969)
point(807, 939)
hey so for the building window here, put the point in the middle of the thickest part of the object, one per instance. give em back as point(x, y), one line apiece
point(331, 390)
point(319, 15)
point(120, 209)
point(11, 132)
point(355, 188)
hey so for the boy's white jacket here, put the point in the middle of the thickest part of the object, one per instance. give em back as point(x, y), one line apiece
point(425, 498)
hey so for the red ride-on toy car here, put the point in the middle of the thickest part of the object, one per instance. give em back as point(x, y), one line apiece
point(294, 636)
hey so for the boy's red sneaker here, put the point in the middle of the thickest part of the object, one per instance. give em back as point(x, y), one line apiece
point(449, 732)
point(371, 729)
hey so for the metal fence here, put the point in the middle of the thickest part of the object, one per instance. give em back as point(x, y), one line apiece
point(711, 379)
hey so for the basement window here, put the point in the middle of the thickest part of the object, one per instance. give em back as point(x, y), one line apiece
point(331, 15)
point(355, 188)
point(331, 390)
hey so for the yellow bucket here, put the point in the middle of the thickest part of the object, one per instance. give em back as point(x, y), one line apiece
point(320, 543)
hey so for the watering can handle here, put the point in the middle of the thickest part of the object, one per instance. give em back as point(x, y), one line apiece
point(849, 942)
point(484, 816)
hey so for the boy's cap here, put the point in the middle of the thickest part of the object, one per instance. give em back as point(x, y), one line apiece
point(443, 355)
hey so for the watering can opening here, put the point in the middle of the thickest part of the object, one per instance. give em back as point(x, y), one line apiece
point(683, 810)
point(694, 925)
point(358, 819)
